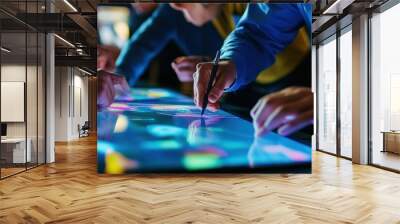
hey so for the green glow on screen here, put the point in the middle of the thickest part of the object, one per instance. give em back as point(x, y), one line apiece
point(199, 161)
point(162, 144)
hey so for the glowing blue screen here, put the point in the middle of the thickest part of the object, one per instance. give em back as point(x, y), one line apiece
point(157, 130)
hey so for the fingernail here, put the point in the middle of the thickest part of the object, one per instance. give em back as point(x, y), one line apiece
point(212, 98)
point(283, 130)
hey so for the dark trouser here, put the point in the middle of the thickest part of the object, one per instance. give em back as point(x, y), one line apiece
point(241, 101)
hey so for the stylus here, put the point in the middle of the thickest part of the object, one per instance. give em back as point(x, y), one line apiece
point(210, 81)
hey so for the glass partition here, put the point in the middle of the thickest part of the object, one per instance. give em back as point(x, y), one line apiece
point(327, 96)
point(22, 89)
point(15, 150)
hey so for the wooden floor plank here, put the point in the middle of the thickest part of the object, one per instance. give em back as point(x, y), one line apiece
point(70, 191)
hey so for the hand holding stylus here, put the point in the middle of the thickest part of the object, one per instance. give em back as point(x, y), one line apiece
point(225, 76)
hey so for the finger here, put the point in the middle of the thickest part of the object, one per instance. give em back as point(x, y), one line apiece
point(104, 97)
point(174, 67)
point(218, 89)
point(109, 97)
point(185, 75)
point(278, 117)
point(213, 106)
point(120, 80)
point(255, 109)
point(261, 115)
point(286, 113)
point(101, 62)
point(186, 62)
point(200, 83)
point(271, 102)
point(195, 100)
point(300, 122)
point(266, 106)
point(178, 59)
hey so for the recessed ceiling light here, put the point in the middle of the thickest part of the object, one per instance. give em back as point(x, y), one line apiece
point(70, 5)
point(5, 50)
point(84, 71)
point(65, 41)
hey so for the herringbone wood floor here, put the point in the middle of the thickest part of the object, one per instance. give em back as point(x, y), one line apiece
point(70, 191)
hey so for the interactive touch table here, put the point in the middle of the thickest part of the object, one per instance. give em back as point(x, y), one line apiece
point(158, 130)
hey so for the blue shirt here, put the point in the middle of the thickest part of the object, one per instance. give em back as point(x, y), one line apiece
point(163, 26)
point(263, 32)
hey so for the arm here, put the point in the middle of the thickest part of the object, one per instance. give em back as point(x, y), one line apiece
point(263, 32)
point(147, 42)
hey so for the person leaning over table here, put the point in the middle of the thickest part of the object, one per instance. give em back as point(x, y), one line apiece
point(290, 67)
point(215, 21)
point(139, 12)
point(263, 31)
point(164, 25)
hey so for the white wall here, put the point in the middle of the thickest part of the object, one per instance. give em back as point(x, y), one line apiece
point(71, 93)
point(16, 72)
point(33, 127)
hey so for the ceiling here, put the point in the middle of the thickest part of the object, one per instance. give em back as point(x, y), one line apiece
point(76, 21)
point(73, 20)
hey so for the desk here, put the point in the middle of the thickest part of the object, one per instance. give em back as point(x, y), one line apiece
point(17, 151)
point(156, 130)
point(391, 141)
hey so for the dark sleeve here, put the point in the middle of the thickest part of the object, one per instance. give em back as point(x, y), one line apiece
point(151, 37)
point(263, 32)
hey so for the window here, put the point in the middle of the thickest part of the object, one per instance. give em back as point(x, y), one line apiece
point(346, 92)
point(327, 96)
point(385, 88)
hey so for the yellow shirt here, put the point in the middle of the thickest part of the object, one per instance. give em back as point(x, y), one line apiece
point(285, 62)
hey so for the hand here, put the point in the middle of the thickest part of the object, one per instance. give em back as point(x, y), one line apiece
point(288, 110)
point(109, 85)
point(226, 75)
point(185, 66)
point(106, 57)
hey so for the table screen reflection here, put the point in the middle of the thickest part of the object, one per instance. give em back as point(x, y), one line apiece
point(157, 130)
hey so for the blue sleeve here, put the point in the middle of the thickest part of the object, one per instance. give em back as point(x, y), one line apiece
point(263, 31)
point(151, 37)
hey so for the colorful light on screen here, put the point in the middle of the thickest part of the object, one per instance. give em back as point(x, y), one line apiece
point(180, 108)
point(122, 124)
point(290, 153)
point(200, 160)
point(232, 144)
point(166, 131)
point(173, 133)
point(115, 163)
point(119, 107)
point(118, 164)
point(168, 144)
point(103, 147)
point(158, 93)
point(146, 94)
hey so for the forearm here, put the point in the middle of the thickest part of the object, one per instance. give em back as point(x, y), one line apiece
point(263, 32)
point(146, 43)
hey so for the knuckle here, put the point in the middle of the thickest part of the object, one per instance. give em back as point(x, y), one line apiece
point(268, 101)
point(282, 109)
point(218, 89)
point(252, 112)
